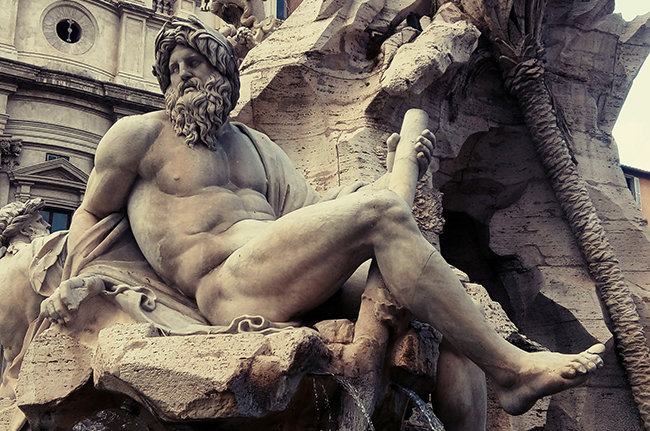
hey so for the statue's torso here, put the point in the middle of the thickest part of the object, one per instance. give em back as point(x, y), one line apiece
point(186, 201)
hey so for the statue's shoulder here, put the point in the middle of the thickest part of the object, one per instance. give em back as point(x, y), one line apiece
point(16, 259)
point(149, 124)
point(130, 138)
point(242, 128)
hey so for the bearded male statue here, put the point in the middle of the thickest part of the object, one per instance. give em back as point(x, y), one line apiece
point(222, 216)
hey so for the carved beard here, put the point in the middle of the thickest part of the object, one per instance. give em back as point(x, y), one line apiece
point(198, 110)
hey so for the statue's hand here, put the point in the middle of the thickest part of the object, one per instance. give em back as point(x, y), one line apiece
point(424, 148)
point(423, 151)
point(66, 299)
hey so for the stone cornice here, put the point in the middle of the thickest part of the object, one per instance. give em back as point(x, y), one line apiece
point(136, 9)
point(117, 7)
point(8, 88)
point(30, 76)
point(107, 4)
point(142, 11)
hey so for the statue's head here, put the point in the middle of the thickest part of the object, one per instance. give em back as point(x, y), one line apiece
point(22, 219)
point(197, 106)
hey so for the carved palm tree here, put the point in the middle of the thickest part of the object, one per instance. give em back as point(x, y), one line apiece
point(514, 28)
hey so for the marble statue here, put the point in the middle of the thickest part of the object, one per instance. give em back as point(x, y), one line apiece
point(221, 215)
point(243, 29)
point(196, 224)
point(20, 226)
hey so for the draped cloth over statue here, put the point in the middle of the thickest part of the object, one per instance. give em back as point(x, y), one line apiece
point(109, 251)
point(287, 190)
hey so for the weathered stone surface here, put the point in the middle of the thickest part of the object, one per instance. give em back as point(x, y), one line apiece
point(7, 412)
point(55, 366)
point(336, 331)
point(448, 40)
point(55, 384)
point(394, 12)
point(414, 356)
point(207, 376)
point(323, 91)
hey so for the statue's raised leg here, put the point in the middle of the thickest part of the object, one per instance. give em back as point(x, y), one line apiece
point(301, 259)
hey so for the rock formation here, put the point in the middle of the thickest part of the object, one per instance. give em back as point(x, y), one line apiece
point(330, 85)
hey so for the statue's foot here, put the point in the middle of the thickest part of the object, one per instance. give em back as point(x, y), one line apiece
point(547, 373)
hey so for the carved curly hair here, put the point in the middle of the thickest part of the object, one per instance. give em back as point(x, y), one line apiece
point(210, 43)
point(14, 215)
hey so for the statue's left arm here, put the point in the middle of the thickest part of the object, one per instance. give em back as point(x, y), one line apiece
point(66, 299)
point(288, 189)
point(423, 154)
point(423, 146)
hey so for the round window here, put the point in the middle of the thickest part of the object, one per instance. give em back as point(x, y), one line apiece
point(68, 31)
point(69, 28)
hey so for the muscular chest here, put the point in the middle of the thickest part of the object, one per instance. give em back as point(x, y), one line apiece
point(182, 171)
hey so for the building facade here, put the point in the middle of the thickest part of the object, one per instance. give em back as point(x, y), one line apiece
point(68, 71)
point(638, 181)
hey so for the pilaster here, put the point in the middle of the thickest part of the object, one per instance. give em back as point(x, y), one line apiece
point(6, 90)
point(4, 189)
point(132, 43)
point(24, 191)
point(8, 18)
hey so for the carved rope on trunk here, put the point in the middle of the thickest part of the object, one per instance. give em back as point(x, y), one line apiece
point(525, 80)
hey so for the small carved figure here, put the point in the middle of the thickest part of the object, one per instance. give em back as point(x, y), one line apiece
point(31, 267)
point(221, 214)
point(20, 225)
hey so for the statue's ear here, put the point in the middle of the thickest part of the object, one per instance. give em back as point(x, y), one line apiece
point(28, 230)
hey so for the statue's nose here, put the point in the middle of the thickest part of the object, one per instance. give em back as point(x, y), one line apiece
point(185, 73)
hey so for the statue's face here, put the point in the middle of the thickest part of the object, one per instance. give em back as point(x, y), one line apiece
point(186, 63)
point(38, 226)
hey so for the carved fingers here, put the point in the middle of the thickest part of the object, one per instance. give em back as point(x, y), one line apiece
point(424, 148)
point(351, 188)
point(391, 142)
point(339, 192)
point(66, 299)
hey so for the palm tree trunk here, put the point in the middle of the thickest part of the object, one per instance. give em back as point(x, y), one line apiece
point(526, 82)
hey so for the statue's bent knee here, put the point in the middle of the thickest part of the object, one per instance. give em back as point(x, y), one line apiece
point(386, 207)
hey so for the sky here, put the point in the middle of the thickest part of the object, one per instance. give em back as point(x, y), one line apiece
point(632, 129)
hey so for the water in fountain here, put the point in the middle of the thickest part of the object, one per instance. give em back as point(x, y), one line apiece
point(434, 422)
point(327, 404)
point(354, 393)
point(313, 381)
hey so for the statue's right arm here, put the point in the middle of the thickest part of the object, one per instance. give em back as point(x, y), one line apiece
point(117, 161)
